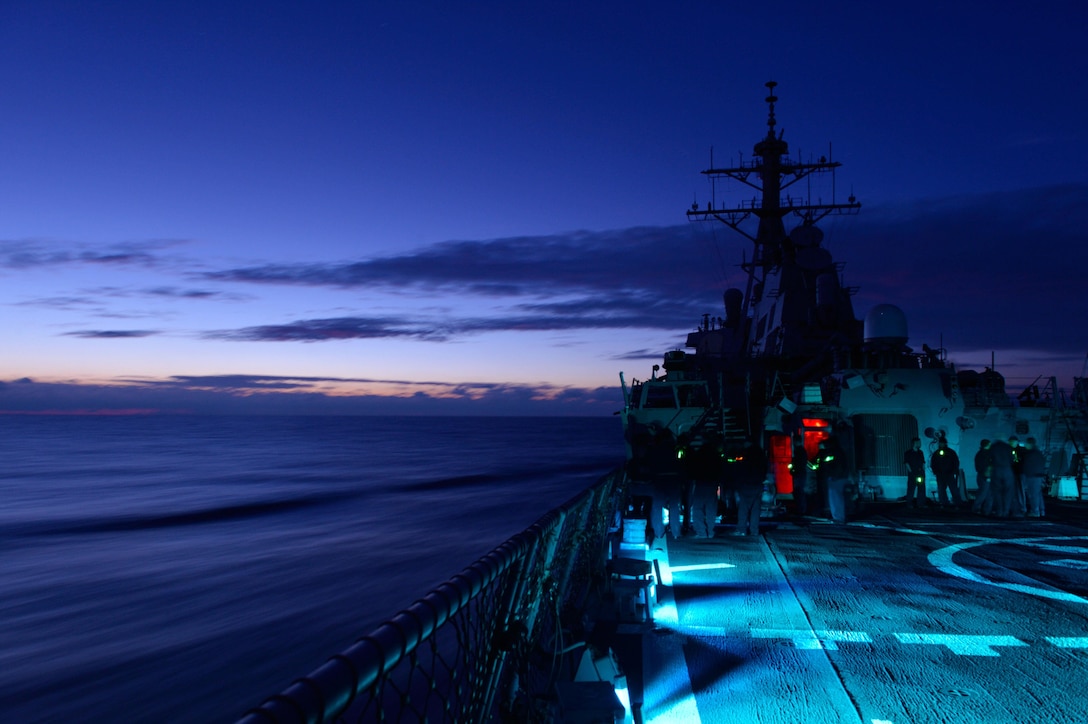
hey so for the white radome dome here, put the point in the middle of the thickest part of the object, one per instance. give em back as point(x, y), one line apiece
point(886, 323)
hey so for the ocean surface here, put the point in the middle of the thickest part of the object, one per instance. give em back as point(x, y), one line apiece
point(182, 569)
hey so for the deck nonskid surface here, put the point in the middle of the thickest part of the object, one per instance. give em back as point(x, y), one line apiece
point(887, 619)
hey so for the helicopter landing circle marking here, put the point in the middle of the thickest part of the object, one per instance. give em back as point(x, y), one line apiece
point(942, 560)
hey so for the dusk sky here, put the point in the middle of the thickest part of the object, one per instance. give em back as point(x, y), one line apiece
point(478, 208)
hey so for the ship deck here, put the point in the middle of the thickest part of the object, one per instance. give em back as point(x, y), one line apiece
point(898, 616)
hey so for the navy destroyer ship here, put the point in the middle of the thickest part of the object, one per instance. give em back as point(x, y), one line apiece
point(790, 360)
point(574, 619)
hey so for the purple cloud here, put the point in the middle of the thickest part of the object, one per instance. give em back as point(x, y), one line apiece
point(111, 333)
point(985, 270)
point(629, 259)
point(28, 254)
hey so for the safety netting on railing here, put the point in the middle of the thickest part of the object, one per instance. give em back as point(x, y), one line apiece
point(487, 645)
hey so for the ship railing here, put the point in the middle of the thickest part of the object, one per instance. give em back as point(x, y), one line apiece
point(484, 646)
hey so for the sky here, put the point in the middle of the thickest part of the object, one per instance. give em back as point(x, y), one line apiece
point(478, 207)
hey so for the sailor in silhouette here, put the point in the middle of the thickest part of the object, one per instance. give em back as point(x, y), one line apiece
point(1033, 475)
point(702, 460)
point(984, 468)
point(799, 473)
point(915, 460)
point(747, 468)
point(833, 471)
point(1016, 499)
point(945, 464)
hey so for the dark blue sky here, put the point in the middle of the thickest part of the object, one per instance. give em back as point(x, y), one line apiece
point(480, 207)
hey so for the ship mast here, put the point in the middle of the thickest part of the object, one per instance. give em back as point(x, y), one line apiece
point(770, 173)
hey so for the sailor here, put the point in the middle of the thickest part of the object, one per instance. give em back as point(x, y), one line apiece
point(1016, 493)
point(915, 460)
point(639, 474)
point(984, 466)
point(666, 484)
point(703, 470)
point(1033, 475)
point(945, 464)
point(747, 468)
point(655, 477)
point(831, 467)
point(1002, 479)
point(799, 473)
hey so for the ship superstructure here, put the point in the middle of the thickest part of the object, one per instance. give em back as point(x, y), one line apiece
point(790, 360)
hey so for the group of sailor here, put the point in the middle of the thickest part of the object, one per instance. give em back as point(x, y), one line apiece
point(1010, 477)
point(694, 478)
point(698, 476)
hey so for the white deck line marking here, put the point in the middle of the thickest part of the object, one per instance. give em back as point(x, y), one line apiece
point(697, 630)
point(1069, 642)
point(701, 567)
point(812, 640)
point(961, 524)
point(941, 559)
point(820, 639)
point(915, 531)
point(960, 644)
point(1058, 549)
point(1068, 563)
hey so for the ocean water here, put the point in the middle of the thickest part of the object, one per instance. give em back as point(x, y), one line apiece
point(181, 569)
